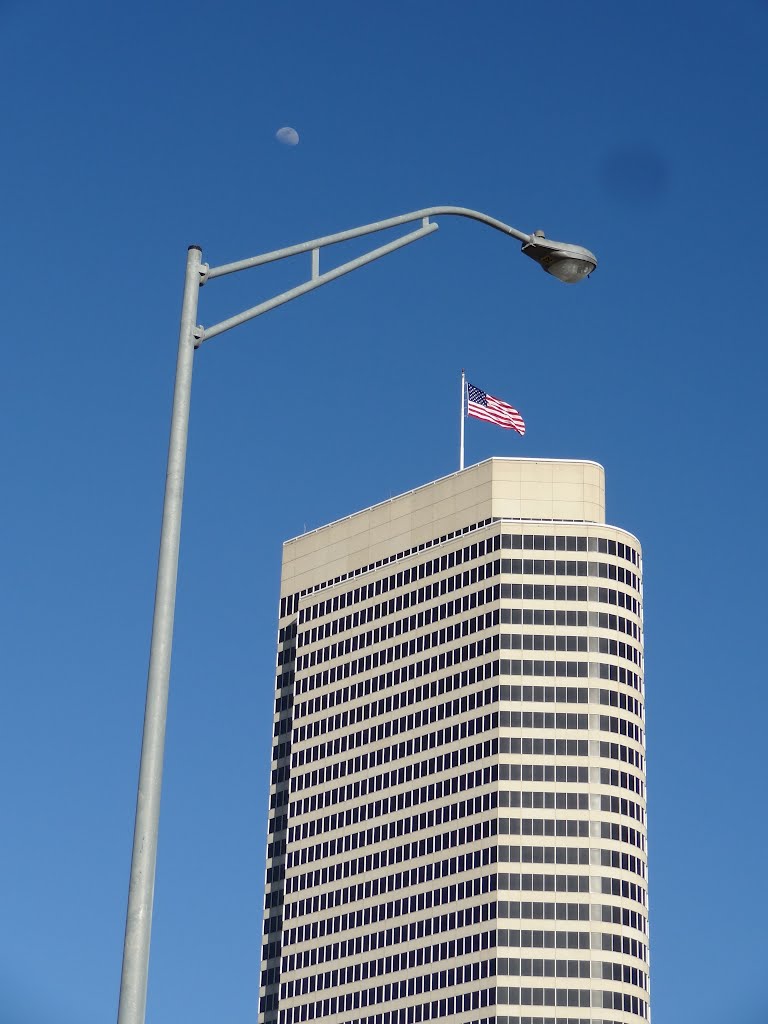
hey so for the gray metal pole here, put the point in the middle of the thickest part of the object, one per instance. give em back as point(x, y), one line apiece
point(138, 924)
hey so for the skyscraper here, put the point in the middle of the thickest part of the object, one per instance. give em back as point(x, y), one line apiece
point(457, 823)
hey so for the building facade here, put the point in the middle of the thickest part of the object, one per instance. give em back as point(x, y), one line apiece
point(457, 823)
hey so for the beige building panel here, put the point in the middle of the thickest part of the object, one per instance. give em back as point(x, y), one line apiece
point(536, 471)
point(545, 491)
point(511, 488)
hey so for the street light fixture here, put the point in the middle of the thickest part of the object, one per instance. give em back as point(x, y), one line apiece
point(567, 262)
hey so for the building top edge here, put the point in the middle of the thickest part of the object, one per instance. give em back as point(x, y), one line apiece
point(362, 571)
point(433, 483)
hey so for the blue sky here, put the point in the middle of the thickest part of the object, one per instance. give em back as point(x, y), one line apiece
point(130, 131)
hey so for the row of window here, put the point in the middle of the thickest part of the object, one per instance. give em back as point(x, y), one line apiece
point(556, 567)
point(446, 787)
point(419, 848)
point(365, 763)
point(463, 918)
point(574, 828)
point(403, 775)
point(437, 1009)
point(427, 666)
point(406, 724)
point(386, 609)
point(605, 970)
point(472, 860)
point(413, 956)
point(435, 663)
point(429, 819)
point(541, 911)
point(565, 719)
point(315, 778)
point(407, 932)
point(571, 855)
point(574, 802)
point(462, 974)
point(538, 938)
point(460, 917)
point(558, 617)
point(503, 1018)
point(582, 669)
point(347, 695)
point(470, 701)
point(446, 635)
point(463, 1002)
point(321, 799)
point(409, 798)
point(570, 695)
point(466, 889)
point(397, 802)
point(439, 612)
point(457, 946)
point(432, 818)
point(505, 541)
point(559, 801)
point(401, 699)
point(564, 748)
point(513, 881)
point(423, 872)
point(507, 616)
point(283, 702)
point(406, 906)
point(282, 748)
point(489, 773)
point(407, 1015)
point(405, 748)
point(430, 689)
point(547, 542)
point(408, 599)
point(507, 591)
point(567, 642)
point(454, 838)
point(395, 828)
point(571, 773)
point(422, 642)
point(444, 762)
point(513, 996)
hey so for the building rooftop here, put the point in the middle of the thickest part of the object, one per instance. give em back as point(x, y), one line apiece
point(562, 490)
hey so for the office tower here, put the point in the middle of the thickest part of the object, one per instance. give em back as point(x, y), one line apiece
point(457, 809)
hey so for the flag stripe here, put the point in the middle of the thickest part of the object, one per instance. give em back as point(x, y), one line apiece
point(483, 406)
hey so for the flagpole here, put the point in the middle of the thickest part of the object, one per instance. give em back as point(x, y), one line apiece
point(461, 433)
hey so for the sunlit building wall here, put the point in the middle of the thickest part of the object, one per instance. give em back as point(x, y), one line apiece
point(457, 822)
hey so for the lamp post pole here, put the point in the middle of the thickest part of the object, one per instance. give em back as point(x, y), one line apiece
point(141, 890)
point(569, 263)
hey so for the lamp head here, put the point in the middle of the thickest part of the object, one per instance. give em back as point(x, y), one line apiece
point(566, 262)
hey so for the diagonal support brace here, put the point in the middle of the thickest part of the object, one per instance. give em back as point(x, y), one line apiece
point(205, 334)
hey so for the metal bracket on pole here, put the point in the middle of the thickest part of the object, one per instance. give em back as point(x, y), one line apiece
point(198, 333)
point(316, 282)
point(203, 273)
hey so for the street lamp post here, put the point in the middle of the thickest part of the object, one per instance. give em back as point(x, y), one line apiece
point(569, 263)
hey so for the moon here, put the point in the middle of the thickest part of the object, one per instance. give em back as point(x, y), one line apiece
point(287, 136)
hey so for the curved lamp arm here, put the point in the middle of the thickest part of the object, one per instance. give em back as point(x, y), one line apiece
point(569, 263)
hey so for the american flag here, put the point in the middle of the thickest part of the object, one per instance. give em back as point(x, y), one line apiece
point(493, 410)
